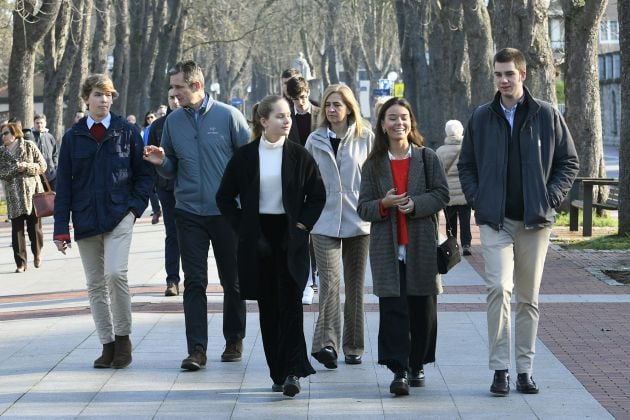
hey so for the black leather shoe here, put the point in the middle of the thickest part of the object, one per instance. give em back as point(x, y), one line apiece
point(327, 357)
point(352, 359)
point(277, 387)
point(416, 378)
point(525, 384)
point(291, 386)
point(501, 383)
point(400, 384)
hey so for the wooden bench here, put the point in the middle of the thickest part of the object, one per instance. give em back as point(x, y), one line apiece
point(587, 205)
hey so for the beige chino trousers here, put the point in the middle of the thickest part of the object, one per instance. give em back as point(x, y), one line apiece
point(514, 261)
point(105, 260)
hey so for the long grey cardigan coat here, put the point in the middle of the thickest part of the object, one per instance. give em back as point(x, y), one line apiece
point(422, 275)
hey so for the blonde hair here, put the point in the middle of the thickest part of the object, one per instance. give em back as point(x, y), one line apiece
point(350, 101)
point(97, 81)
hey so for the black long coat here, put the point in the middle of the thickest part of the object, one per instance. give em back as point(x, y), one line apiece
point(303, 197)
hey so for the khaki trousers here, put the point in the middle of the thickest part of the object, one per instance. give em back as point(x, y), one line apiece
point(105, 259)
point(514, 261)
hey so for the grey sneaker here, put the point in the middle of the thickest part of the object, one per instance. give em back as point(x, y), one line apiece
point(466, 249)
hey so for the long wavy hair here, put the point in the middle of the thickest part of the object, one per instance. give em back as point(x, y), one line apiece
point(381, 140)
point(354, 114)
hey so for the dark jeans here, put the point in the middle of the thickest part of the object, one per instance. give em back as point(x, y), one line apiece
point(155, 203)
point(463, 212)
point(407, 331)
point(35, 234)
point(171, 245)
point(280, 305)
point(195, 234)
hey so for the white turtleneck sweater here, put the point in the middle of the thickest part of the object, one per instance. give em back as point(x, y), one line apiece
point(270, 158)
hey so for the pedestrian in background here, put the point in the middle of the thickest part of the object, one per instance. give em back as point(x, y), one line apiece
point(340, 146)
point(21, 164)
point(457, 207)
point(402, 205)
point(164, 188)
point(281, 196)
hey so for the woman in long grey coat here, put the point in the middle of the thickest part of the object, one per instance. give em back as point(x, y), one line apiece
point(402, 205)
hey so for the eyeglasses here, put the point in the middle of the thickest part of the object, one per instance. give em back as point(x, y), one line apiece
point(6, 133)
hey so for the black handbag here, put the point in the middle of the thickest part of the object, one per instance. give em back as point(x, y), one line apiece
point(448, 251)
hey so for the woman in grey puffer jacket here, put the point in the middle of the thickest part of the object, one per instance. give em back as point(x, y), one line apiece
point(457, 206)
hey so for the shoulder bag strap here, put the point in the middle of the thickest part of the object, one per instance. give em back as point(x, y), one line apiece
point(426, 180)
point(46, 182)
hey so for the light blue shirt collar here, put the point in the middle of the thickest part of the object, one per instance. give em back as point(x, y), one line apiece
point(105, 121)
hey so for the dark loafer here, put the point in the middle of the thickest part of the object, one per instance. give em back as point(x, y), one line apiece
point(501, 383)
point(400, 384)
point(291, 386)
point(327, 357)
point(277, 387)
point(416, 378)
point(525, 384)
point(352, 359)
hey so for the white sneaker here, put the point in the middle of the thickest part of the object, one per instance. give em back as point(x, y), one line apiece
point(307, 296)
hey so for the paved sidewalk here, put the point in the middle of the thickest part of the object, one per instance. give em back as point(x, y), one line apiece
point(48, 344)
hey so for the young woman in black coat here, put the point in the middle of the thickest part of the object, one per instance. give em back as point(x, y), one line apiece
point(281, 196)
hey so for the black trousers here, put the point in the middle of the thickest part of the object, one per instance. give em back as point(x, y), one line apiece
point(407, 331)
point(171, 245)
point(195, 233)
point(35, 235)
point(463, 213)
point(280, 305)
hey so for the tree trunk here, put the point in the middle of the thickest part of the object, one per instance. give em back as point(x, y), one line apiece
point(479, 40)
point(583, 112)
point(81, 67)
point(623, 8)
point(175, 50)
point(29, 28)
point(449, 85)
point(150, 54)
point(413, 57)
point(101, 39)
point(61, 46)
point(523, 25)
point(159, 83)
point(138, 43)
point(121, 57)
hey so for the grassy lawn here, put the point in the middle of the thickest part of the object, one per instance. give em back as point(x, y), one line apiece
point(3, 207)
point(562, 219)
point(601, 243)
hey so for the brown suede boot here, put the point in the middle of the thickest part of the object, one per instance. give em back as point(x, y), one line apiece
point(105, 361)
point(122, 352)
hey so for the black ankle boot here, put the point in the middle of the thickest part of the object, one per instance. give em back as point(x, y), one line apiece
point(106, 358)
point(122, 352)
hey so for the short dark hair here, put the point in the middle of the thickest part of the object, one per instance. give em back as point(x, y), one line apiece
point(296, 86)
point(507, 55)
point(190, 70)
point(288, 73)
point(39, 117)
